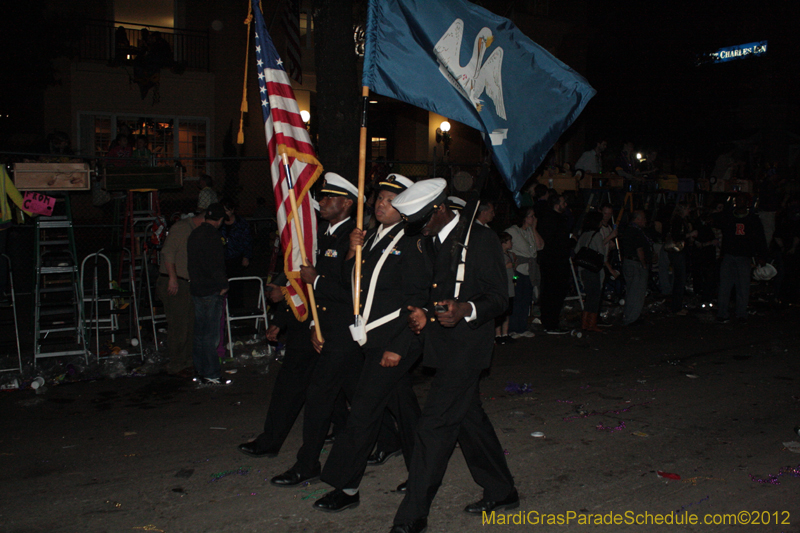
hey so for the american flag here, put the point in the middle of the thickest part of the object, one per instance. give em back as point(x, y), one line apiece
point(286, 134)
point(291, 25)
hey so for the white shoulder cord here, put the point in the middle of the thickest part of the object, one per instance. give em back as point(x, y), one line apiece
point(362, 326)
point(462, 265)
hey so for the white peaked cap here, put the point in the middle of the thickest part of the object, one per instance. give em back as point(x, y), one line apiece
point(456, 202)
point(337, 185)
point(419, 196)
point(395, 182)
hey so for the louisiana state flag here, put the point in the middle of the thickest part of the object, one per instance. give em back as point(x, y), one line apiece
point(468, 64)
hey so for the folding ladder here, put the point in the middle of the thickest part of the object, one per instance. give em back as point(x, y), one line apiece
point(59, 326)
point(256, 314)
point(13, 320)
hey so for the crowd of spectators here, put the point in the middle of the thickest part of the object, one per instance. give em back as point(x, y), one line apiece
point(688, 256)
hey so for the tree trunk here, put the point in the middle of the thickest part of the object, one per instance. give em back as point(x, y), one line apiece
point(338, 87)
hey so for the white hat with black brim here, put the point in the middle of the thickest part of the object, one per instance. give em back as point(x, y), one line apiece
point(454, 202)
point(394, 183)
point(335, 185)
point(417, 203)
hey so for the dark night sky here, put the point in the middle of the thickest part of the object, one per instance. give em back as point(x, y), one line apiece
point(642, 62)
point(641, 59)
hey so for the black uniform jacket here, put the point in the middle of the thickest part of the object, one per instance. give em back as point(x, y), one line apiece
point(468, 344)
point(404, 280)
point(332, 292)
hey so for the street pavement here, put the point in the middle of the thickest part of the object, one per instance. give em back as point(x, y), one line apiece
point(712, 407)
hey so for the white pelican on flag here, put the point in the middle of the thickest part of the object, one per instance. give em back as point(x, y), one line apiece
point(466, 63)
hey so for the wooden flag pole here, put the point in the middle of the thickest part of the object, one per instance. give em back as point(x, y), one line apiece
point(362, 170)
point(300, 241)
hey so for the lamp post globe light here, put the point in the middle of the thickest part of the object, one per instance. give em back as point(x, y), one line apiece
point(443, 136)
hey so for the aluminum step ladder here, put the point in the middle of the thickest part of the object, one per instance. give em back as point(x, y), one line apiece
point(147, 313)
point(257, 314)
point(135, 219)
point(59, 323)
point(126, 315)
point(14, 320)
point(101, 296)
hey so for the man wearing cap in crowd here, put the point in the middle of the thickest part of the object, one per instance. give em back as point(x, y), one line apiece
point(340, 360)
point(206, 264)
point(469, 289)
point(395, 274)
point(172, 289)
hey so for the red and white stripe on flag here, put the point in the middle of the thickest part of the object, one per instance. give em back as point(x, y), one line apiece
point(291, 25)
point(286, 134)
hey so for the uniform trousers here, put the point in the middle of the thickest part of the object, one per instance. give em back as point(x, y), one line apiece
point(288, 394)
point(453, 412)
point(179, 311)
point(336, 370)
point(378, 388)
point(388, 436)
point(555, 286)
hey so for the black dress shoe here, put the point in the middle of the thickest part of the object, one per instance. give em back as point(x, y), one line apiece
point(417, 526)
point(292, 478)
point(380, 457)
point(484, 505)
point(336, 501)
point(252, 449)
point(402, 487)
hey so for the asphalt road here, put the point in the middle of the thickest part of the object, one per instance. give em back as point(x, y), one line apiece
point(713, 404)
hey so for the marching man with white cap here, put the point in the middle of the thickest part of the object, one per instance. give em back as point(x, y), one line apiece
point(469, 289)
point(339, 363)
point(396, 273)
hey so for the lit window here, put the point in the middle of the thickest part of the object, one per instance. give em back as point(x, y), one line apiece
point(378, 147)
point(306, 30)
point(169, 138)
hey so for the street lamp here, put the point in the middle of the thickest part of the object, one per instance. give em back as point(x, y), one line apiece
point(443, 136)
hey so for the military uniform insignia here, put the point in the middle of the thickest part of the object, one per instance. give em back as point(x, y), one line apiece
point(394, 251)
point(419, 245)
point(331, 253)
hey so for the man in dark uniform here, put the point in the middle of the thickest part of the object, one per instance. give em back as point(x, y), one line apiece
point(457, 329)
point(743, 240)
point(339, 363)
point(554, 263)
point(289, 392)
point(395, 274)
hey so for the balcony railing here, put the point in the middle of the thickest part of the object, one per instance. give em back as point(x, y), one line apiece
point(103, 40)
